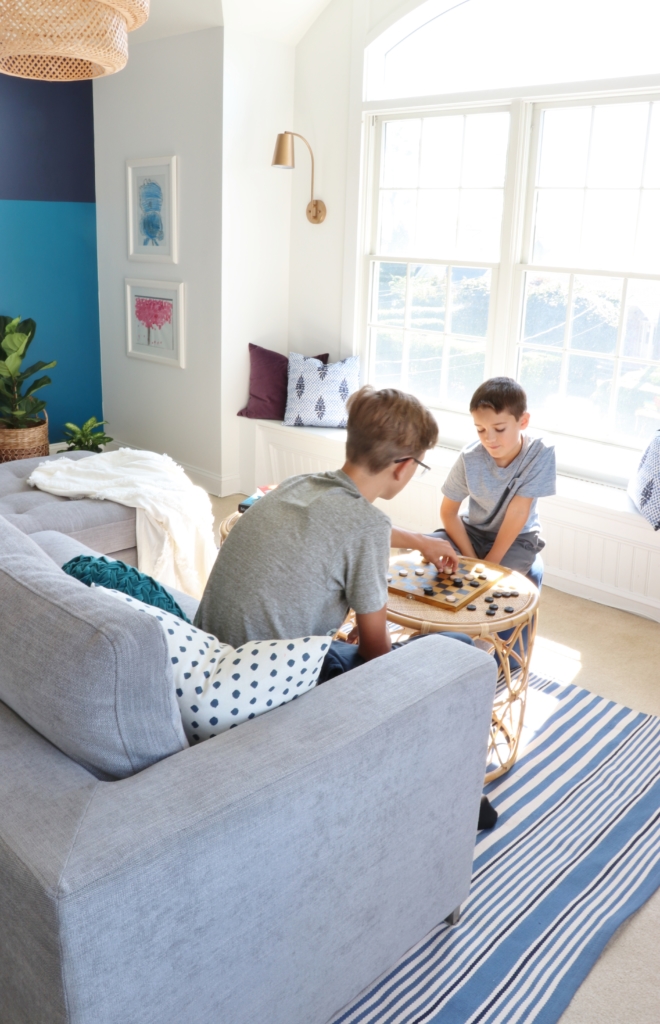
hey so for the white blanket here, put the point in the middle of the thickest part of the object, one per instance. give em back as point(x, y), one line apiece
point(174, 520)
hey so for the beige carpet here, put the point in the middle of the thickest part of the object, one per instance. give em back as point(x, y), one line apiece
point(617, 656)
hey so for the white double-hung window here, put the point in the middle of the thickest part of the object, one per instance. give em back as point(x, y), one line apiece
point(515, 235)
point(436, 250)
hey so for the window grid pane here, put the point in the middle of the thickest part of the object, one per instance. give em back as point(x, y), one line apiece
point(428, 326)
point(441, 186)
point(589, 345)
point(589, 354)
point(440, 200)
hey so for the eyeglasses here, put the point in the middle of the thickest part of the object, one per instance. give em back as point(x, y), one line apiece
point(411, 458)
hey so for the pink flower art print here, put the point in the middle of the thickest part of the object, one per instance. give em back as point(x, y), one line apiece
point(153, 314)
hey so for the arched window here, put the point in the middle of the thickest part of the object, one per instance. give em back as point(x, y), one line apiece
point(519, 233)
point(456, 46)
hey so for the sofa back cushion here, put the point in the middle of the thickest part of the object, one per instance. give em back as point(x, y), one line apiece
point(87, 673)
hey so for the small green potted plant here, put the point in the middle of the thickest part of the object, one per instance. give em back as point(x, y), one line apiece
point(23, 433)
point(88, 438)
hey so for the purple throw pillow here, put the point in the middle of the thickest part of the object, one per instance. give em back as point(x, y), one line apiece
point(268, 383)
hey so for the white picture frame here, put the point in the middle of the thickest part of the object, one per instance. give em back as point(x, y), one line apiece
point(152, 209)
point(155, 321)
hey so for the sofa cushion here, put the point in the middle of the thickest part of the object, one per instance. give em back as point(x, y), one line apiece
point(103, 525)
point(85, 672)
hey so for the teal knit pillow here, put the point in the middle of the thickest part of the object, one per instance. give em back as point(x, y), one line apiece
point(115, 575)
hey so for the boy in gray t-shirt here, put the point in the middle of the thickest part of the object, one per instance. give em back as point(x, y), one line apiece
point(316, 546)
point(503, 474)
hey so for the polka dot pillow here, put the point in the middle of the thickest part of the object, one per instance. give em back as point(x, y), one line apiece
point(219, 686)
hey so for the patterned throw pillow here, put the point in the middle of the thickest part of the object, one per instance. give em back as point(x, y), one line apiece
point(219, 686)
point(112, 574)
point(317, 394)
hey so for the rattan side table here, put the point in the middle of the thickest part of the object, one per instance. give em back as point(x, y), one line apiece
point(514, 655)
point(226, 525)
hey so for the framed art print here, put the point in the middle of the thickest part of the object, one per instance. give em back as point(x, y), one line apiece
point(152, 210)
point(155, 321)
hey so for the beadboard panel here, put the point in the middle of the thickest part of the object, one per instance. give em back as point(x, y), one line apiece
point(597, 545)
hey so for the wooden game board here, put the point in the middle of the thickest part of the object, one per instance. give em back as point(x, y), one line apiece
point(420, 576)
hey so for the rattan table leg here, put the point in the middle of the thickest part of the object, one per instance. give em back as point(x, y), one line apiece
point(511, 696)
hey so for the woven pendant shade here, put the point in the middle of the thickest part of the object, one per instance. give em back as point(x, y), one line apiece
point(67, 40)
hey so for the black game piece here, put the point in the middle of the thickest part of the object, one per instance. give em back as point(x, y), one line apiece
point(457, 583)
point(488, 600)
point(514, 593)
point(498, 593)
point(508, 608)
point(428, 591)
point(506, 593)
point(491, 611)
point(472, 607)
point(494, 607)
point(475, 583)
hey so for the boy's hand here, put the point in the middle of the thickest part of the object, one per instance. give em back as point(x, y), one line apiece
point(440, 553)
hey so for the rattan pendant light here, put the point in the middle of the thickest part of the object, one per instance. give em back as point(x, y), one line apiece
point(67, 40)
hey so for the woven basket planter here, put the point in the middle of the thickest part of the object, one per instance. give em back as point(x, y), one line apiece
point(67, 40)
point(28, 443)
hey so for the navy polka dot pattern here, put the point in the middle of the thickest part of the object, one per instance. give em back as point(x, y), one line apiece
point(317, 393)
point(218, 686)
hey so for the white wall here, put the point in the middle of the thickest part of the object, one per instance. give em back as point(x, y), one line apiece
point(323, 68)
point(168, 100)
point(328, 111)
point(259, 79)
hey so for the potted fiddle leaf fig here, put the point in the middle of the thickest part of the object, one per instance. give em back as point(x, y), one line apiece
point(23, 433)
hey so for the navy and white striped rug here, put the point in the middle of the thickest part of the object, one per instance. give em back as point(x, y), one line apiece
point(575, 851)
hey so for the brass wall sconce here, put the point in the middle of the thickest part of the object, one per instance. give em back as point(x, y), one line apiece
point(284, 157)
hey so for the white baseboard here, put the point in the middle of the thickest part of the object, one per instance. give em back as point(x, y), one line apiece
point(646, 607)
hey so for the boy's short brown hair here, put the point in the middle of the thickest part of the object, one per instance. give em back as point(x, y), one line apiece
point(387, 425)
point(501, 394)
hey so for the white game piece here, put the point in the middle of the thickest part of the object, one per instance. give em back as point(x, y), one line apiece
point(389, 579)
point(403, 572)
point(419, 572)
point(470, 576)
point(479, 568)
point(450, 597)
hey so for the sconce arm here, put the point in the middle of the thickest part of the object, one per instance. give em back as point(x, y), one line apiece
point(311, 155)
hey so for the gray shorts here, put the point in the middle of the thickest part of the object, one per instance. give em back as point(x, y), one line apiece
point(520, 555)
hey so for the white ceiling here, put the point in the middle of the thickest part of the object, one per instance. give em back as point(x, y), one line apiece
point(284, 20)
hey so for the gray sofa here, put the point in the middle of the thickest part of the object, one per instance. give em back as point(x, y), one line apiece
point(267, 875)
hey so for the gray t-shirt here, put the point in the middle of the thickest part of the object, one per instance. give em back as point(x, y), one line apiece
point(297, 561)
point(490, 487)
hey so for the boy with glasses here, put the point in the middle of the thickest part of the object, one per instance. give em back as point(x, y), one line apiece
point(316, 546)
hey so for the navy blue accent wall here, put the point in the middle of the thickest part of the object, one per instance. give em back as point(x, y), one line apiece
point(47, 134)
point(48, 267)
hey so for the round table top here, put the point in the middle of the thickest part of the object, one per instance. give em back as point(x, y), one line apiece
point(436, 619)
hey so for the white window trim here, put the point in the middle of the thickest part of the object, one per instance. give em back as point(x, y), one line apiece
point(508, 275)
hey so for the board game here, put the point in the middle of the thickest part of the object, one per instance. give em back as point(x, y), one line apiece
point(409, 576)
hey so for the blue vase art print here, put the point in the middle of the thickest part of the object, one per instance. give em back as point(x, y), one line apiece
point(151, 204)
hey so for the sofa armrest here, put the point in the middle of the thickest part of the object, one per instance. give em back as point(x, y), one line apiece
point(282, 866)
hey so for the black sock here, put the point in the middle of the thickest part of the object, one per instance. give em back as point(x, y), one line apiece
point(487, 814)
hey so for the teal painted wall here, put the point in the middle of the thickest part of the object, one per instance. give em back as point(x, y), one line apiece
point(48, 268)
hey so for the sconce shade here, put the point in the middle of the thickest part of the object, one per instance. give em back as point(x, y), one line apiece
point(283, 155)
point(67, 40)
